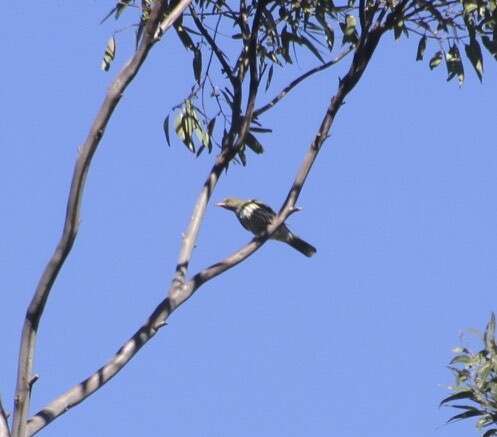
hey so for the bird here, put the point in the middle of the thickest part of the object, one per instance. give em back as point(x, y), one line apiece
point(255, 216)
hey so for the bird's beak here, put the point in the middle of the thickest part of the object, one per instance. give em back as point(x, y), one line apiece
point(221, 204)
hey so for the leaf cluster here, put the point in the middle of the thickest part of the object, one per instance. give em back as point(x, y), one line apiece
point(454, 27)
point(219, 34)
point(476, 383)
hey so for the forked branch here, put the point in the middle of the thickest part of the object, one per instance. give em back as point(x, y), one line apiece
point(182, 290)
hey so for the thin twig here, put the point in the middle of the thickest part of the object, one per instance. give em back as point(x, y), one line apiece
point(362, 56)
point(86, 152)
point(299, 79)
point(215, 48)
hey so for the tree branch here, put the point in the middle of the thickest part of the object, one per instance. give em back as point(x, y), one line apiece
point(180, 291)
point(362, 13)
point(86, 152)
point(361, 59)
point(171, 17)
point(299, 79)
point(228, 153)
point(4, 424)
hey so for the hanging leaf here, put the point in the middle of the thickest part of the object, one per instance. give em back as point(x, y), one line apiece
point(470, 6)
point(330, 35)
point(285, 45)
point(489, 337)
point(253, 143)
point(436, 60)
point(109, 55)
point(166, 130)
point(491, 46)
point(454, 64)
point(197, 64)
point(470, 413)
point(461, 359)
point(187, 123)
point(466, 394)
point(349, 30)
point(184, 37)
point(241, 155)
point(311, 47)
point(262, 130)
point(398, 28)
point(118, 9)
point(210, 130)
point(473, 52)
point(229, 100)
point(421, 48)
point(269, 77)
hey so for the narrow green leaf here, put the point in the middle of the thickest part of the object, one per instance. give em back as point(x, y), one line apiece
point(398, 28)
point(470, 6)
point(185, 125)
point(349, 30)
point(461, 359)
point(197, 64)
point(484, 421)
point(184, 37)
point(466, 415)
point(109, 55)
point(260, 129)
point(467, 394)
point(491, 46)
point(421, 48)
point(269, 77)
point(454, 64)
point(489, 337)
point(166, 130)
point(229, 101)
point(473, 52)
point(121, 6)
point(253, 143)
point(210, 130)
point(330, 35)
point(436, 60)
point(285, 45)
point(311, 47)
point(241, 155)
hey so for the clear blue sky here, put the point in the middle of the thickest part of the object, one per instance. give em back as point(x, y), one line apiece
point(401, 206)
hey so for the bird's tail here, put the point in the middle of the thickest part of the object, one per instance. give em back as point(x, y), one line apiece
point(302, 246)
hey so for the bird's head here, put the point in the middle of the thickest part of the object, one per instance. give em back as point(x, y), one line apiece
point(230, 203)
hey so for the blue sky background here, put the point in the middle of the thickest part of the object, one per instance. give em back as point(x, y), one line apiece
point(401, 206)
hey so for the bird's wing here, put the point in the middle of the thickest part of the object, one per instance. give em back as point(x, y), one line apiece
point(282, 233)
point(264, 208)
point(255, 216)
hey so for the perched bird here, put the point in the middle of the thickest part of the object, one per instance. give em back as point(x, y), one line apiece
point(256, 216)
